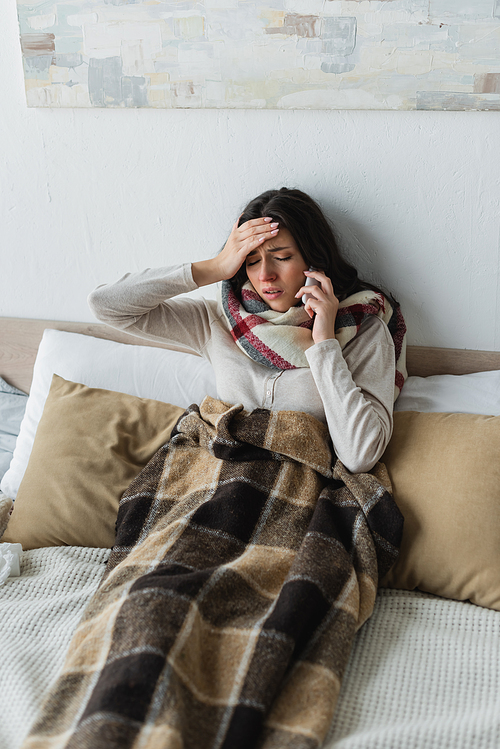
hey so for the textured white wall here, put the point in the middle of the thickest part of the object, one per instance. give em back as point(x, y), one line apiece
point(88, 194)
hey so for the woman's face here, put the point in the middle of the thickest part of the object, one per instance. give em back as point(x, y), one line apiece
point(276, 271)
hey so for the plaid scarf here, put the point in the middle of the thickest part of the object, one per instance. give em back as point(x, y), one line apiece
point(279, 339)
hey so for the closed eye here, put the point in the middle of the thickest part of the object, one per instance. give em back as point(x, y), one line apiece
point(282, 259)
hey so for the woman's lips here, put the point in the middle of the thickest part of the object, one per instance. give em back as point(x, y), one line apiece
point(272, 292)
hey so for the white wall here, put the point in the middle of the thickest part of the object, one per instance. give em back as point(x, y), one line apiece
point(87, 195)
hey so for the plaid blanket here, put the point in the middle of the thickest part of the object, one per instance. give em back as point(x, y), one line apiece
point(243, 566)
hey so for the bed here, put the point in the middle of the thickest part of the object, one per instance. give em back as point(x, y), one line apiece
point(424, 671)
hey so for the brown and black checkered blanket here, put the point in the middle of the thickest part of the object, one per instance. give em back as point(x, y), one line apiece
point(243, 566)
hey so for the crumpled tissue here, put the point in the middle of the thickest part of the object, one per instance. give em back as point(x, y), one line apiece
point(10, 555)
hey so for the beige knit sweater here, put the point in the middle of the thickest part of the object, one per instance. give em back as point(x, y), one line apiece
point(352, 390)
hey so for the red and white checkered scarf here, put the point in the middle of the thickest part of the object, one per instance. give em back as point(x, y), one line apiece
point(279, 339)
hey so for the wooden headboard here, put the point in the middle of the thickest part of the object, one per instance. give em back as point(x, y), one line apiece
point(19, 340)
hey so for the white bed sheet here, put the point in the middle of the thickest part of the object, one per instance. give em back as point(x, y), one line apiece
point(424, 672)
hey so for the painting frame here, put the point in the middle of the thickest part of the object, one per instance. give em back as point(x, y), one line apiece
point(262, 54)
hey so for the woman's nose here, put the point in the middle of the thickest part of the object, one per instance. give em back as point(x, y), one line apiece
point(266, 272)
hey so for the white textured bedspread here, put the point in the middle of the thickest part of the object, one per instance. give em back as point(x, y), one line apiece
point(424, 672)
point(38, 613)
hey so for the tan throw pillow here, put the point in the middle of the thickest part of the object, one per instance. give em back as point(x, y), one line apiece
point(89, 445)
point(445, 473)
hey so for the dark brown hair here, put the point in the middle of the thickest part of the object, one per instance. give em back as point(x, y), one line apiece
point(304, 219)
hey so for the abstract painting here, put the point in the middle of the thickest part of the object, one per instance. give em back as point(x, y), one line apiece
point(277, 54)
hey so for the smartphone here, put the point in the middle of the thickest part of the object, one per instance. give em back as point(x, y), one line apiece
point(309, 282)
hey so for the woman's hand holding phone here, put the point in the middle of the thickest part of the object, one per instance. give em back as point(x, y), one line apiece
point(320, 303)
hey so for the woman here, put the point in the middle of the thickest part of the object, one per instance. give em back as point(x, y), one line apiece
point(279, 235)
point(246, 557)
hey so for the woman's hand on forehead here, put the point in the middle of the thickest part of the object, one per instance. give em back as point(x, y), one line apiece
point(242, 240)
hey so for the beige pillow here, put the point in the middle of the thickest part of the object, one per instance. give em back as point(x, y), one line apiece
point(445, 473)
point(89, 445)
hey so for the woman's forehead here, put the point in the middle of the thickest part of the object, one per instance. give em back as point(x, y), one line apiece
point(283, 241)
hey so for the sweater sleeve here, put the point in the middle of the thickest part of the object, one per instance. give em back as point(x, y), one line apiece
point(138, 303)
point(356, 386)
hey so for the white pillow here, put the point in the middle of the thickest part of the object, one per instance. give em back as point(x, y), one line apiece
point(144, 371)
point(477, 393)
